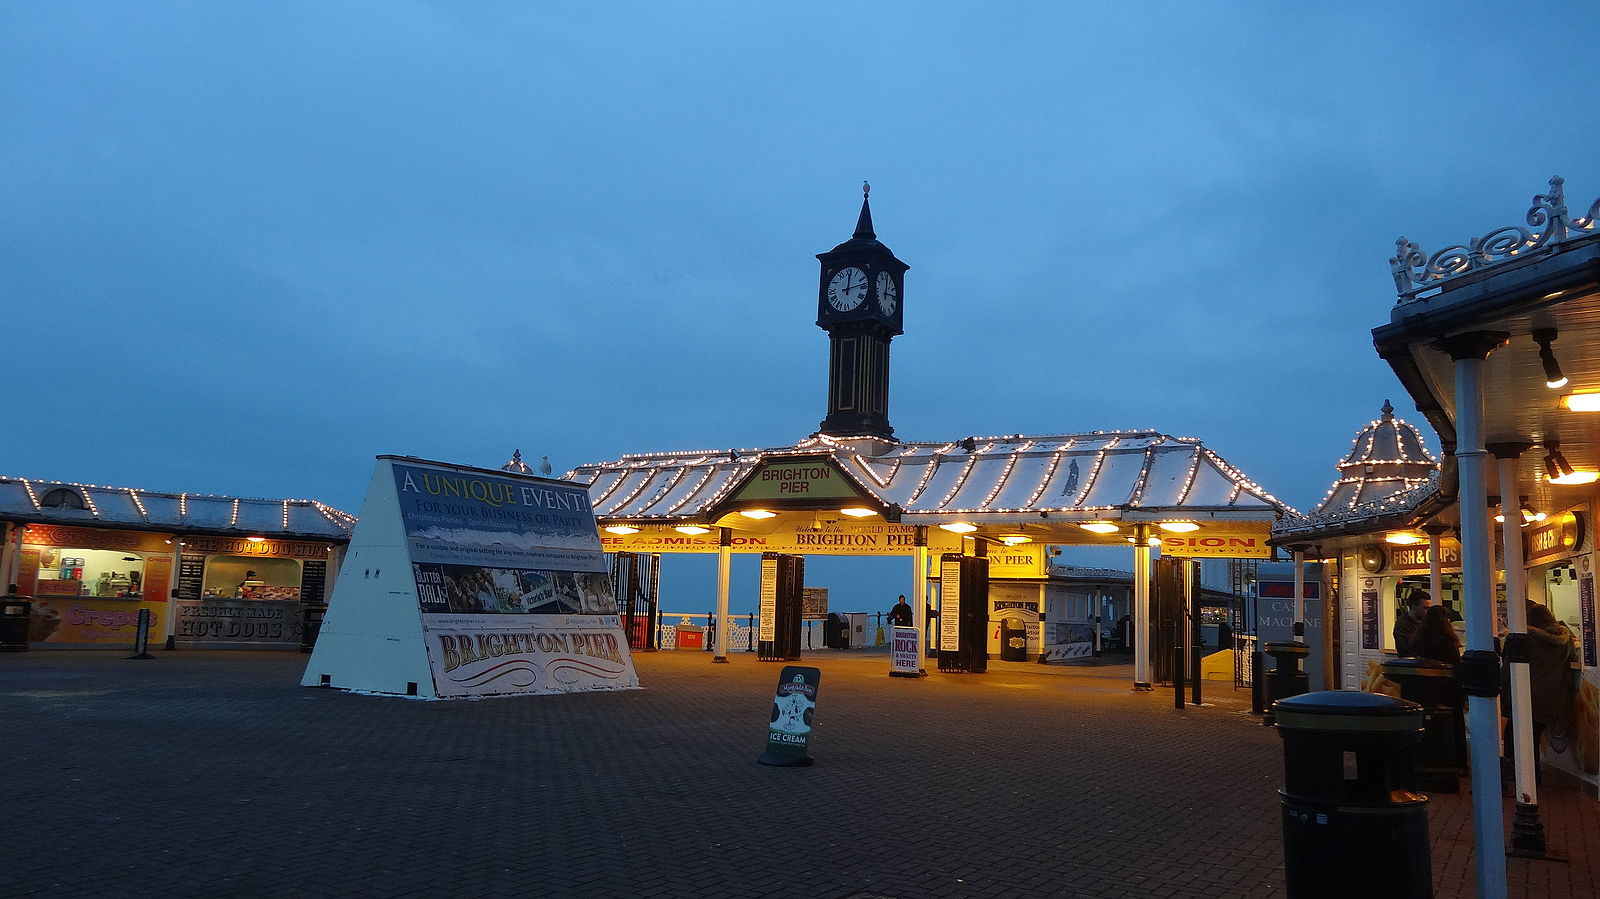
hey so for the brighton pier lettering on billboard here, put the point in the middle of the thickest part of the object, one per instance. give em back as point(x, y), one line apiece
point(462, 649)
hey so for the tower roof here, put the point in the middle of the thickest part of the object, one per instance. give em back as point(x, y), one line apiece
point(1387, 457)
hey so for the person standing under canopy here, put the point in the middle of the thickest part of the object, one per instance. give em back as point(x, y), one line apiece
point(900, 615)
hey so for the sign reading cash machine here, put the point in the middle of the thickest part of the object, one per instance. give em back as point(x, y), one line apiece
point(465, 581)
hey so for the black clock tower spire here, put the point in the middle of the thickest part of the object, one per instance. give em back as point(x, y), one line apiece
point(859, 305)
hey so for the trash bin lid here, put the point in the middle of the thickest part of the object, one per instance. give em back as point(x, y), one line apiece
point(1294, 649)
point(1347, 711)
point(1415, 667)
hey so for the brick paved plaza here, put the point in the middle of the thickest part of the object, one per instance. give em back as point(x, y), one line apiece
point(214, 774)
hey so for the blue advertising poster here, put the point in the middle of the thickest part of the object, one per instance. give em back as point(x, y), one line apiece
point(475, 518)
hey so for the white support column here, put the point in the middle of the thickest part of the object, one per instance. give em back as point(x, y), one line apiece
point(1435, 579)
point(1480, 663)
point(172, 589)
point(11, 565)
point(1527, 833)
point(1141, 607)
point(1517, 623)
point(919, 595)
point(724, 564)
point(1299, 557)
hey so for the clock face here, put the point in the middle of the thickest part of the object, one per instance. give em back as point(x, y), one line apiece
point(888, 294)
point(847, 288)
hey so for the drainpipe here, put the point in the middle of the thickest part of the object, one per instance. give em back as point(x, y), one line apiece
point(1480, 664)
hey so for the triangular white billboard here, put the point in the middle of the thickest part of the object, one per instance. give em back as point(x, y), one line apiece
point(463, 581)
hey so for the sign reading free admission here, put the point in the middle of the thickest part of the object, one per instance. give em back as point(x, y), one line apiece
point(463, 581)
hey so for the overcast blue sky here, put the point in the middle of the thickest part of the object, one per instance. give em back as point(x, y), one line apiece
point(245, 247)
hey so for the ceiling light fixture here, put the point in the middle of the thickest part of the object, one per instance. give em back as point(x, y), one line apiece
point(1558, 470)
point(858, 512)
point(1583, 401)
point(1553, 378)
point(1179, 527)
point(959, 527)
point(621, 529)
point(692, 529)
point(1400, 539)
point(1099, 527)
point(1015, 539)
point(758, 514)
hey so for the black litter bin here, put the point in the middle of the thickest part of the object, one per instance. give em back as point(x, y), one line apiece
point(1286, 679)
point(1433, 685)
point(1353, 824)
point(14, 614)
point(1013, 640)
point(311, 624)
point(835, 632)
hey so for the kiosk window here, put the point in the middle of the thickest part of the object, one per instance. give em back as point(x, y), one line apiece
point(64, 571)
point(249, 577)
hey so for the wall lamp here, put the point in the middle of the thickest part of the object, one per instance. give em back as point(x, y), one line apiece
point(1553, 378)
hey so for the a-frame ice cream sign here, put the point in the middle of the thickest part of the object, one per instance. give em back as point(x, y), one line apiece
point(464, 581)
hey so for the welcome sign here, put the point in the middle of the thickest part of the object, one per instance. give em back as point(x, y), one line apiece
point(463, 581)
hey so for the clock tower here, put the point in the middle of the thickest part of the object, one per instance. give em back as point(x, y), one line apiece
point(859, 305)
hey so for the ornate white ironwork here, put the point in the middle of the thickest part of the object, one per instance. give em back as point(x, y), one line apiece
point(1548, 226)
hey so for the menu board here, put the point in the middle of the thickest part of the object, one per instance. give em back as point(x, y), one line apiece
point(313, 581)
point(1371, 612)
point(191, 577)
point(950, 605)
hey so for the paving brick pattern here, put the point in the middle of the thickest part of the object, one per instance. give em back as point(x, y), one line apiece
point(214, 774)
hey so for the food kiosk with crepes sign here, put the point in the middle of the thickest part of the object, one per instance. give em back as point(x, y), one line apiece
point(214, 572)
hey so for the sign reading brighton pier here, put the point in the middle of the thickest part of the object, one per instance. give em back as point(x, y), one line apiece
point(462, 581)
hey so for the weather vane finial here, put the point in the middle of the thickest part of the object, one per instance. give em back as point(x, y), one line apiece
point(865, 189)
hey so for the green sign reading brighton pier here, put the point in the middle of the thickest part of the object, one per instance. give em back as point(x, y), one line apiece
point(790, 730)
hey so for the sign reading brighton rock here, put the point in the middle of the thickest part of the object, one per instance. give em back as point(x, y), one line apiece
point(463, 581)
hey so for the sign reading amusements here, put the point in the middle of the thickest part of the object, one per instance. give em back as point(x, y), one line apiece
point(463, 581)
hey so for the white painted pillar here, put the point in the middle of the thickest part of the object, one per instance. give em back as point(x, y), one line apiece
point(172, 588)
point(1299, 557)
point(1141, 607)
point(1435, 578)
point(1517, 623)
point(724, 566)
point(919, 594)
point(12, 564)
point(1477, 576)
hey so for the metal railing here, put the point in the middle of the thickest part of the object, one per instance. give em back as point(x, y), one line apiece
point(1244, 651)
